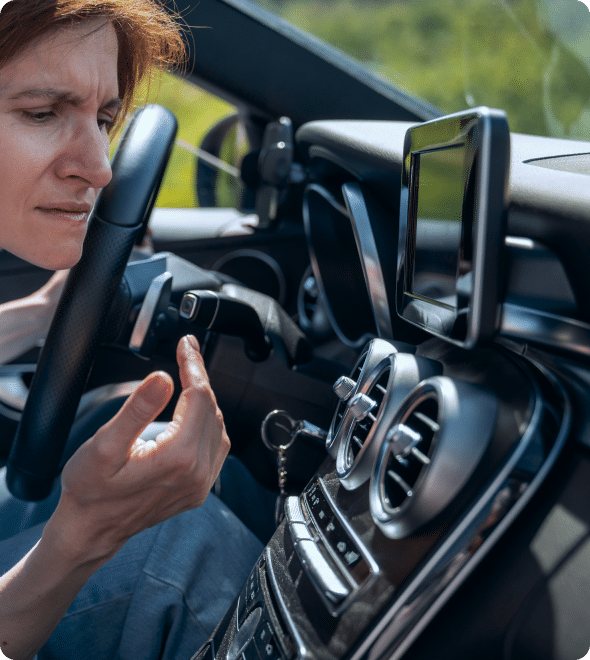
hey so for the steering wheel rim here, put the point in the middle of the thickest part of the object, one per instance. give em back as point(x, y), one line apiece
point(119, 214)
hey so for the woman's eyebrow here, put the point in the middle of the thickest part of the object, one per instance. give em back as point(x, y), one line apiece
point(59, 96)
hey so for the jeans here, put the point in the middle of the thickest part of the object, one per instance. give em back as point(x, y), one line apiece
point(160, 596)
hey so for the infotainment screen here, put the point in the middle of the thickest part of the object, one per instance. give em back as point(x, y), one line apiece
point(452, 225)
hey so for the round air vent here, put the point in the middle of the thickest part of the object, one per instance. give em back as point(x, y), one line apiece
point(371, 411)
point(335, 431)
point(411, 444)
point(431, 449)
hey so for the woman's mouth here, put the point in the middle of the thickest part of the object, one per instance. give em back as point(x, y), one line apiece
point(73, 213)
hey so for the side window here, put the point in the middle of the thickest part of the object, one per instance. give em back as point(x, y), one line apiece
point(197, 112)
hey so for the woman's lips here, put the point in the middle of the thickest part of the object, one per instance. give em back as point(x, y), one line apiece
point(77, 213)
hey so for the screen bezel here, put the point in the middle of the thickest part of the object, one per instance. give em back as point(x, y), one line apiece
point(484, 134)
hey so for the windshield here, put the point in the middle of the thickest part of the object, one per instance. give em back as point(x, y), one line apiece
point(530, 58)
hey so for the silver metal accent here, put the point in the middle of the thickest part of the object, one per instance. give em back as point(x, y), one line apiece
point(403, 439)
point(367, 248)
point(189, 306)
point(465, 547)
point(405, 372)
point(344, 387)
point(360, 405)
point(358, 589)
point(293, 630)
point(531, 325)
point(465, 425)
point(148, 309)
point(245, 635)
point(376, 352)
point(329, 198)
point(328, 584)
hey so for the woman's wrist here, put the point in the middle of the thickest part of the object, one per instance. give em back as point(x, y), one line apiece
point(70, 537)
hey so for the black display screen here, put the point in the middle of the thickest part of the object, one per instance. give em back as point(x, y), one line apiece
point(439, 250)
point(452, 225)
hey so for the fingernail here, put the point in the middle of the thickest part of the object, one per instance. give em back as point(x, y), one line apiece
point(192, 340)
point(153, 390)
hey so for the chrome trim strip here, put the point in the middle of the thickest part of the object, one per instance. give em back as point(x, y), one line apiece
point(299, 643)
point(355, 589)
point(367, 248)
point(545, 328)
point(453, 562)
point(147, 312)
point(373, 565)
point(331, 589)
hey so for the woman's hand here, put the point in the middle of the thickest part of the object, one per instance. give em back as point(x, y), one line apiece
point(116, 484)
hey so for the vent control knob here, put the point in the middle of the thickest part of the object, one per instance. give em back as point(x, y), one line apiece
point(404, 441)
point(344, 387)
point(361, 405)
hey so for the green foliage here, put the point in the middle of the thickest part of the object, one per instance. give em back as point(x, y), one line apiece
point(528, 57)
point(196, 111)
point(510, 54)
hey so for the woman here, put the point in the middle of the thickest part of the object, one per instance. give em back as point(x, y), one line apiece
point(117, 580)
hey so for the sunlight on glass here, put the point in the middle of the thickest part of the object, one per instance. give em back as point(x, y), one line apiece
point(196, 112)
point(530, 58)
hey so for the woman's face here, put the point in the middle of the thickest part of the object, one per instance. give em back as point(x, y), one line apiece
point(58, 99)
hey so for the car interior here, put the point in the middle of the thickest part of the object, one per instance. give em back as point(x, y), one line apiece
point(395, 326)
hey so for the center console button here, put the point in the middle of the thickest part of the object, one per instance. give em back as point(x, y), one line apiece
point(250, 652)
point(249, 594)
point(244, 635)
point(266, 643)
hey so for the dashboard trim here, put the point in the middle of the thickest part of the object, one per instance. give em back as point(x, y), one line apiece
point(552, 330)
point(452, 562)
point(365, 240)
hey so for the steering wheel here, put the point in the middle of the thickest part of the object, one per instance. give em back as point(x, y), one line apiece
point(79, 324)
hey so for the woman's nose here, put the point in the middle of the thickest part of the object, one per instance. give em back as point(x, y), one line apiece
point(85, 156)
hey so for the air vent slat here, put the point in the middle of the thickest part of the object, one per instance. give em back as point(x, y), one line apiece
point(432, 425)
point(358, 441)
point(363, 427)
point(400, 482)
point(412, 442)
point(420, 456)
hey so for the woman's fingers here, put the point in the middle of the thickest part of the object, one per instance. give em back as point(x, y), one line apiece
point(117, 437)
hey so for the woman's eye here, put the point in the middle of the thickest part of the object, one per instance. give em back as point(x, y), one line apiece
point(38, 116)
point(106, 123)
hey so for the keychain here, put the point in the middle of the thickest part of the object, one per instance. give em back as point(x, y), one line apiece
point(279, 431)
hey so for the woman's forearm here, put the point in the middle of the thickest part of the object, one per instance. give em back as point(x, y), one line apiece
point(23, 324)
point(36, 593)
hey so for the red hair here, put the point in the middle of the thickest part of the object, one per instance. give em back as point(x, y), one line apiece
point(148, 35)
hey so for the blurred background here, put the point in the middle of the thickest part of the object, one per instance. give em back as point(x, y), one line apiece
point(529, 57)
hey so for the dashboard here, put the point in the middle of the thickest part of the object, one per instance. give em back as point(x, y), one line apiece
point(440, 481)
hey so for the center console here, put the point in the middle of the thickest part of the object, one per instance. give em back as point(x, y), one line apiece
point(430, 457)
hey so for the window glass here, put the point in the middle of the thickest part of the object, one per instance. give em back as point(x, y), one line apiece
point(197, 112)
point(530, 58)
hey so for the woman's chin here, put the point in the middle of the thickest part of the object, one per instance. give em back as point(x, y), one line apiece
point(65, 258)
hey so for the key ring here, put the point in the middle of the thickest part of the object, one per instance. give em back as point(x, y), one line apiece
point(289, 425)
